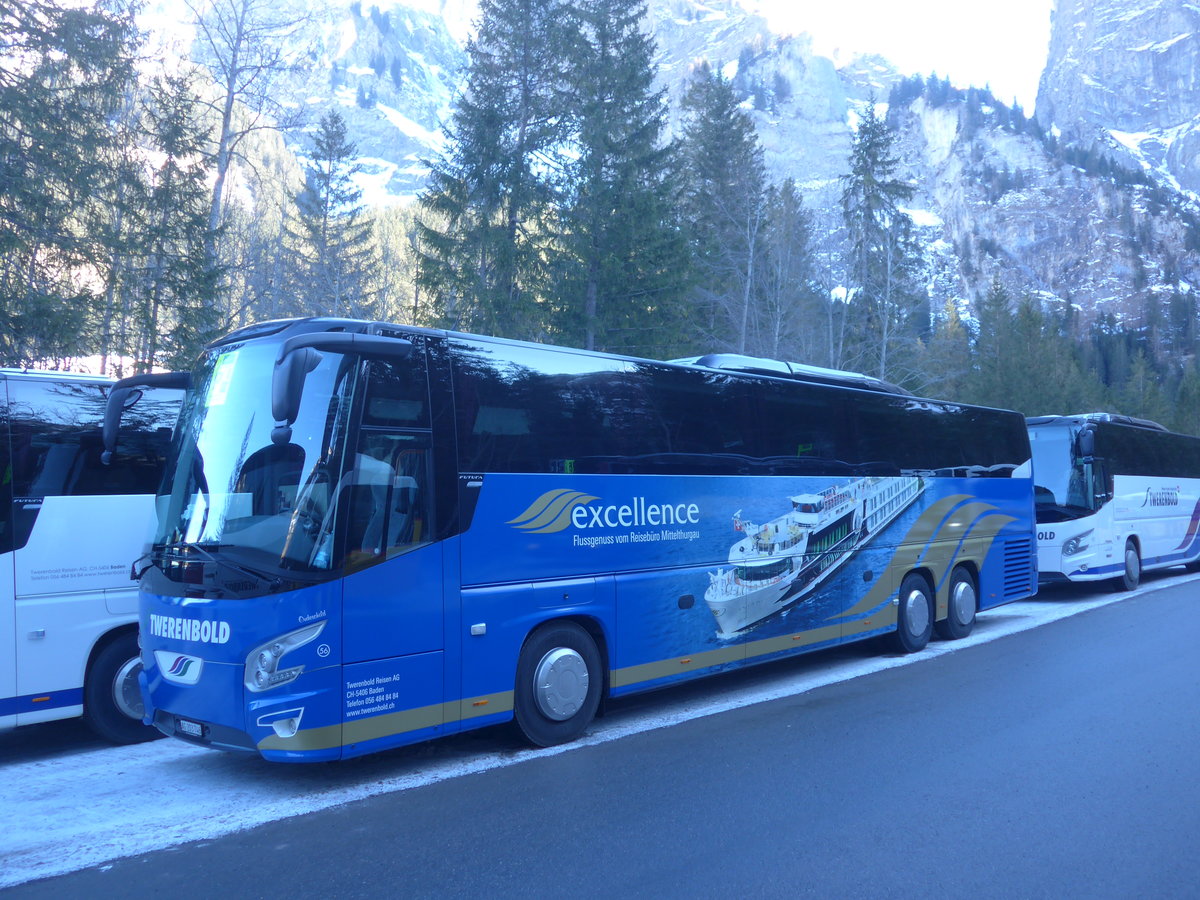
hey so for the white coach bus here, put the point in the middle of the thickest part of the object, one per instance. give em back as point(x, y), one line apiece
point(1115, 496)
point(70, 530)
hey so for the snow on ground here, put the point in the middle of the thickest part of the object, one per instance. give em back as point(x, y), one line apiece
point(68, 812)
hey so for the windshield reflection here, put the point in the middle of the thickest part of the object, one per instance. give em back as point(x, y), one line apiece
point(1062, 482)
point(233, 488)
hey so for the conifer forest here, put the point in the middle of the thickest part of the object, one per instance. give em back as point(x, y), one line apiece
point(149, 206)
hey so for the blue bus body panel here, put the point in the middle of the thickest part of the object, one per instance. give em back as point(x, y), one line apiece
point(429, 648)
point(194, 653)
point(664, 540)
point(394, 608)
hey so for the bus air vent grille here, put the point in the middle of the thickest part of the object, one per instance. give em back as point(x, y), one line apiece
point(1018, 568)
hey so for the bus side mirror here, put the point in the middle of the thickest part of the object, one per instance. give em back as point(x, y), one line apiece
point(124, 395)
point(287, 383)
point(299, 355)
point(1086, 442)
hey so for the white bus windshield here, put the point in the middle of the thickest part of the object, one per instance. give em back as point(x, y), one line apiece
point(1061, 479)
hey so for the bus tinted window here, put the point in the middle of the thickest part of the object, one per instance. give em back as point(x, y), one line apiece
point(905, 434)
point(807, 425)
point(1133, 450)
point(397, 395)
point(522, 409)
point(54, 447)
point(540, 411)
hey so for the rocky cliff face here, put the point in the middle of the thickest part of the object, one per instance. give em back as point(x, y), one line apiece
point(1008, 202)
point(998, 195)
point(1126, 74)
point(391, 73)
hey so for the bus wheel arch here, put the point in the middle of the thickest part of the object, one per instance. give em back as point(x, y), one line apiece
point(112, 704)
point(1131, 567)
point(914, 613)
point(560, 681)
point(962, 603)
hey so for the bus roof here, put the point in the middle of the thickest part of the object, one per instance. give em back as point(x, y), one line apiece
point(50, 374)
point(729, 362)
point(736, 362)
point(1085, 418)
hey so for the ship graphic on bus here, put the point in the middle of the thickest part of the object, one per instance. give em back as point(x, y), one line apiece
point(775, 566)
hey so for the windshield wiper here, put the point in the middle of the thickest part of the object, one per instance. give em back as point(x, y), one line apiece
point(208, 552)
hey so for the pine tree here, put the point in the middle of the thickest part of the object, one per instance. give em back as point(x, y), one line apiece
point(946, 357)
point(1142, 394)
point(725, 204)
point(790, 301)
point(123, 198)
point(1024, 363)
point(624, 265)
point(180, 282)
point(242, 43)
point(883, 256)
point(486, 235)
point(66, 71)
point(1186, 417)
point(336, 263)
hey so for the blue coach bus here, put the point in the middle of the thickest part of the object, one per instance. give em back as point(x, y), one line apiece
point(373, 535)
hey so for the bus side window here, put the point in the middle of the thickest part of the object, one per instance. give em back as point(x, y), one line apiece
point(385, 498)
point(385, 495)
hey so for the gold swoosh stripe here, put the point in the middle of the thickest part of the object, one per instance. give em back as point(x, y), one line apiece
point(370, 728)
point(538, 506)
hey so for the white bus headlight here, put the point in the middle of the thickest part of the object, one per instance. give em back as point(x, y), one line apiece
point(262, 663)
point(1077, 544)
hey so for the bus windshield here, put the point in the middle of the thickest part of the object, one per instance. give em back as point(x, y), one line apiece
point(1061, 479)
point(260, 503)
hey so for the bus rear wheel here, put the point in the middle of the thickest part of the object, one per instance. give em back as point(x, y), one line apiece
point(960, 616)
point(558, 684)
point(1131, 575)
point(914, 621)
point(112, 700)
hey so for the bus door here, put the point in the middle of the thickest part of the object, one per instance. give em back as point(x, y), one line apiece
point(393, 611)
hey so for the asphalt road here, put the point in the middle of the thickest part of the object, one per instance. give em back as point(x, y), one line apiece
point(1062, 761)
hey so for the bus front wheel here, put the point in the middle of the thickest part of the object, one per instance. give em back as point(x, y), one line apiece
point(960, 616)
point(1131, 575)
point(112, 700)
point(558, 684)
point(914, 621)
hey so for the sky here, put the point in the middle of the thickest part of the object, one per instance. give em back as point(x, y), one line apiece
point(972, 42)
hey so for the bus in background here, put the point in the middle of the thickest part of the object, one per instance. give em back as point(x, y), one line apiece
point(372, 535)
point(1115, 496)
point(70, 530)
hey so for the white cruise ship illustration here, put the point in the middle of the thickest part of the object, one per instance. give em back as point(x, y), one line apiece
point(777, 565)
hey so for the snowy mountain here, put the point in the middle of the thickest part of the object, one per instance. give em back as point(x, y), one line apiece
point(998, 194)
point(1127, 75)
point(391, 70)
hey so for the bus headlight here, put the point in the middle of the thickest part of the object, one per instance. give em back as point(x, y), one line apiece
point(262, 663)
point(1077, 544)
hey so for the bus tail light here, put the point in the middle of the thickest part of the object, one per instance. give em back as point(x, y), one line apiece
point(262, 663)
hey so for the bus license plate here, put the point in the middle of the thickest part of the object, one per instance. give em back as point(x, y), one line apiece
point(192, 729)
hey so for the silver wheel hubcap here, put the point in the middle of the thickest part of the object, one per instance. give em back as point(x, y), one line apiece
point(560, 684)
point(126, 694)
point(962, 603)
point(916, 613)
